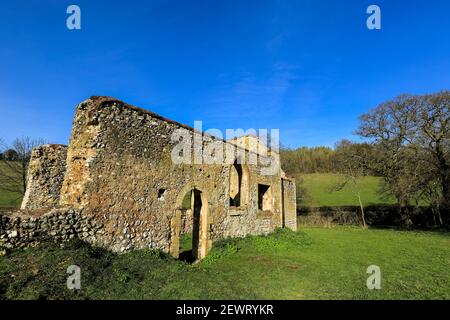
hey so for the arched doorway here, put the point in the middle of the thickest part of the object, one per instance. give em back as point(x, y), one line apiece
point(191, 239)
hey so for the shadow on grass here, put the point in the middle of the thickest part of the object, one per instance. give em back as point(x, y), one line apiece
point(187, 257)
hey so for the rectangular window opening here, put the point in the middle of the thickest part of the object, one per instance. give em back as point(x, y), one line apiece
point(264, 197)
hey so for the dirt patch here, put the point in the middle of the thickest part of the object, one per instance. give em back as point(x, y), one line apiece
point(263, 261)
point(294, 267)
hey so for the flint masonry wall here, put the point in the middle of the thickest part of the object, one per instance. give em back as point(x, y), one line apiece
point(119, 162)
point(186, 221)
point(290, 200)
point(19, 231)
point(45, 177)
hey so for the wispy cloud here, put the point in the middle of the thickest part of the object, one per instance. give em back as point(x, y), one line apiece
point(247, 94)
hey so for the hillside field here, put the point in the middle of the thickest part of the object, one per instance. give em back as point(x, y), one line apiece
point(319, 192)
point(312, 263)
point(7, 198)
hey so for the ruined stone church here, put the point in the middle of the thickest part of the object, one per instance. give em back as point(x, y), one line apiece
point(117, 185)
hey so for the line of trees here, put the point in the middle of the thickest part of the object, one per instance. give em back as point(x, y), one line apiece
point(308, 160)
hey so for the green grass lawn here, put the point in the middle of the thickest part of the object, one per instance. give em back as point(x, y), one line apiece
point(186, 242)
point(319, 186)
point(310, 264)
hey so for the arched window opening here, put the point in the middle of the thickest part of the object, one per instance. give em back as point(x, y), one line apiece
point(239, 185)
point(265, 200)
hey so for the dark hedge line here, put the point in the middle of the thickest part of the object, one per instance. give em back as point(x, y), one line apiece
point(376, 215)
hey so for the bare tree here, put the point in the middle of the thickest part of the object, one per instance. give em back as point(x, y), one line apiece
point(13, 171)
point(411, 135)
point(433, 139)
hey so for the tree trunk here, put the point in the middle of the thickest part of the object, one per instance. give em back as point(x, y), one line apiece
point(362, 211)
point(438, 211)
point(444, 171)
point(446, 197)
point(403, 213)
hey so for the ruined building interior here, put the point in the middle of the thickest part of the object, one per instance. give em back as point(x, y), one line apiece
point(117, 173)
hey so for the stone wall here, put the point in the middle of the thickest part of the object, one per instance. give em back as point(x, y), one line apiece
point(20, 231)
point(186, 221)
point(290, 207)
point(45, 177)
point(118, 170)
point(119, 162)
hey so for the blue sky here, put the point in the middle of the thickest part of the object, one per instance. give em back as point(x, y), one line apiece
point(308, 68)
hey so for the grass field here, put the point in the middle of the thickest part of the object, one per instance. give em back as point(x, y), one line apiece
point(319, 191)
point(310, 264)
point(8, 199)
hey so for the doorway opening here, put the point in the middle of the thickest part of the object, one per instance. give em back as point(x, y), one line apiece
point(189, 250)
